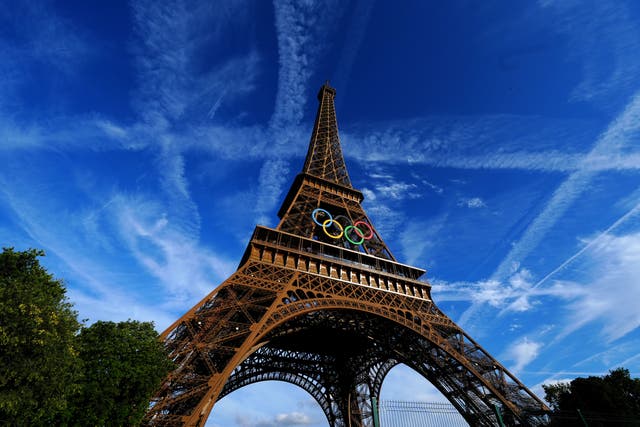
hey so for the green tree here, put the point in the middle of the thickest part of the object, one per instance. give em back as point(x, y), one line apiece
point(124, 364)
point(616, 394)
point(38, 363)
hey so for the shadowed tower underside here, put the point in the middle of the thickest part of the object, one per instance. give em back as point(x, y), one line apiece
point(320, 302)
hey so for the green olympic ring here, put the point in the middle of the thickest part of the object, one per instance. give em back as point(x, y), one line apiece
point(344, 230)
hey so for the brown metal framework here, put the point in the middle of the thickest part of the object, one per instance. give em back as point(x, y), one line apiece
point(328, 315)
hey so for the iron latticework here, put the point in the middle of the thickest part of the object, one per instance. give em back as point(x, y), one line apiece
point(320, 302)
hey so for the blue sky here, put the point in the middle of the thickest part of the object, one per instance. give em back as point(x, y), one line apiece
point(497, 145)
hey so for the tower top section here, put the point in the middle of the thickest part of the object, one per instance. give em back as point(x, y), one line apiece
point(324, 158)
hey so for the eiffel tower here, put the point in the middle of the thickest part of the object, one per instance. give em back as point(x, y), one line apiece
point(321, 302)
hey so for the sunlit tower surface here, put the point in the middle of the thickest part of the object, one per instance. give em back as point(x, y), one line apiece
point(321, 302)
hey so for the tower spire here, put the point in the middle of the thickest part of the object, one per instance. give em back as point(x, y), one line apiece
point(324, 158)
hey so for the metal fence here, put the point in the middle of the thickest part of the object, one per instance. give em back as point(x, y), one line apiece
point(394, 413)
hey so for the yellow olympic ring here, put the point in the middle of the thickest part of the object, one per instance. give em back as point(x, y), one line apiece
point(331, 221)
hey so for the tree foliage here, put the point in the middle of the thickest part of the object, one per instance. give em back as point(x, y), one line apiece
point(54, 373)
point(615, 393)
point(123, 365)
point(38, 362)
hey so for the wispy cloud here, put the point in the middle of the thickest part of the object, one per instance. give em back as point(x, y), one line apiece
point(98, 292)
point(418, 238)
point(173, 84)
point(299, 30)
point(515, 294)
point(289, 419)
point(397, 190)
point(387, 186)
point(37, 35)
point(601, 38)
point(619, 133)
point(160, 232)
point(288, 405)
point(589, 244)
point(522, 352)
point(356, 31)
point(544, 161)
point(610, 357)
point(293, 419)
point(604, 298)
point(385, 219)
point(174, 257)
point(273, 177)
point(479, 142)
point(436, 188)
point(609, 297)
point(472, 203)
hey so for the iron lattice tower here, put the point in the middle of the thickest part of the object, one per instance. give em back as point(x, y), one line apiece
point(320, 302)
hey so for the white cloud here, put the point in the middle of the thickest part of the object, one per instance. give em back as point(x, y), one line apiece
point(419, 237)
point(601, 38)
point(273, 177)
point(437, 189)
point(41, 37)
point(112, 129)
point(63, 133)
point(484, 142)
point(605, 297)
point(397, 190)
point(174, 86)
point(522, 352)
point(299, 28)
point(186, 270)
point(368, 194)
point(386, 220)
point(620, 132)
point(514, 294)
point(588, 245)
point(267, 404)
point(283, 419)
point(293, 419)
point(499, 294)
point(472, 203)
point(610, 297)
point(100, 290)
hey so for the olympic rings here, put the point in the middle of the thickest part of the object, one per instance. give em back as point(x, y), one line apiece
point(344, 230)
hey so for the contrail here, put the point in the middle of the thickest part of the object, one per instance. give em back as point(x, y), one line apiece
point(613, 226)
point(611, 141)
point(621, 220)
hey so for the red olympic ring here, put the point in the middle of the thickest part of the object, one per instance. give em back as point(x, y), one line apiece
point(328, 220)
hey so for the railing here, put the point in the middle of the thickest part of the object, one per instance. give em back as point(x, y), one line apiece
point(344, 255)
point(394, 413)
point(287, 250)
